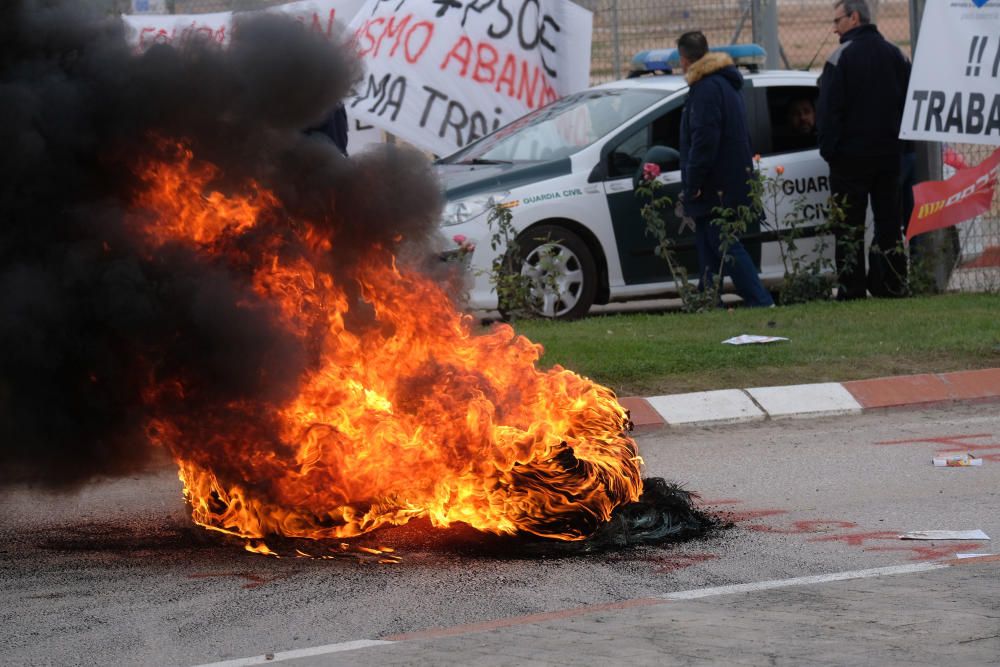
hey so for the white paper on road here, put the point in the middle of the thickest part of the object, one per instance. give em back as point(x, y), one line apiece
point(748, 339)
point(944, 535)
point(956, 460)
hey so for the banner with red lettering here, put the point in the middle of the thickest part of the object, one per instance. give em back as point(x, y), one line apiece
point(442, 74)
point(319, 15)
point(939, 204)
point(148, 29)
point(145, 30)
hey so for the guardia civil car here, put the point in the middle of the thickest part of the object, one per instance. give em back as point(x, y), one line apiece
point(566, 173)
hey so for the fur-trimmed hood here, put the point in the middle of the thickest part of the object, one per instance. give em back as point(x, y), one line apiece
point(715, 141)
point(710, 63)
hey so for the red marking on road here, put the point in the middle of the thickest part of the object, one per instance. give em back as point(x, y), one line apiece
point(738, 516)
point(723, 501)
point(254, 580)
point(933, 552)
point(953, 443)
point(858, 539)
point(746, 515)
point(807, 526)
point(966, 448)
point(680, 561)
point(949, 440)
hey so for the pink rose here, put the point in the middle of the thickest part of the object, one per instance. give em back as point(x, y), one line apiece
point(650, 171)
point(779, 170)
point(458, 238)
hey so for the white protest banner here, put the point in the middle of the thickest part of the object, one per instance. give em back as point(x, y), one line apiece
point(321, 15)
point(361, 136)
point(318, 15)
point(954, 92)
point(442, 74)
point(143, 31)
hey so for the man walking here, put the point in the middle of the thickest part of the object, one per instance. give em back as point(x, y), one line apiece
point(716, 162)
point(861, 97)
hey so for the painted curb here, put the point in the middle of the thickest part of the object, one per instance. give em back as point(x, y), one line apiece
point(726, 405)
point(805, 400)
point(812, 400)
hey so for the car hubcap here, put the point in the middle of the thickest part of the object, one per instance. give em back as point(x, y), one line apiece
point(556, 279)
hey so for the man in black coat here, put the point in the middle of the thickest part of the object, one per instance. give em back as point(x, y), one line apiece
point(861, 99)
point(334, 126)
point(716, 162)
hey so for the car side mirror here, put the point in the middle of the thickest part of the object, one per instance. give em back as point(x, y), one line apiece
point(665, 157)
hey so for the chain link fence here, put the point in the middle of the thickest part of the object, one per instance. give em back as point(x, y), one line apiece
point(977, 268)
point(622, 28)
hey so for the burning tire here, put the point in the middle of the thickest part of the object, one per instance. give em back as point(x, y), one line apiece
point(561, 271)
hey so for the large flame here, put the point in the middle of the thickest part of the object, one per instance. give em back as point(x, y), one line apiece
point(408, 415)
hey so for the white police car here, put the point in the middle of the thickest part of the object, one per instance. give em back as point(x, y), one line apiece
point(565, 171)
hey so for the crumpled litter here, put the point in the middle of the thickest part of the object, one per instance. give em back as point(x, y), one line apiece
point(748, 339)
point(945, 535)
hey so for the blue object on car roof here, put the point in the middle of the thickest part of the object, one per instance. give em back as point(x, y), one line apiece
point(666, 60)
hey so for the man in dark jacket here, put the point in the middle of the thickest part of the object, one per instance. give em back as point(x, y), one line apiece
point(334, 126)
point(716, 162)
point(861, 99)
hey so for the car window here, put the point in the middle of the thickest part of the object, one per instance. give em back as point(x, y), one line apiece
point(792, 114)
point(626, 156)
point(560, 128)
point(758, 121)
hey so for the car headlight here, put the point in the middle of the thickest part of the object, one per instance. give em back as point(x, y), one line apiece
point(462, 210)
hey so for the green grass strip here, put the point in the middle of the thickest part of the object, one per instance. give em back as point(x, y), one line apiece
point(649, 354)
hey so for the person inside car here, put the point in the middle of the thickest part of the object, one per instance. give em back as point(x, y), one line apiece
point(797, 131)
point(802, 116)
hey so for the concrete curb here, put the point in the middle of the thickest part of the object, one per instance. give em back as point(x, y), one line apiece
point(811, 400)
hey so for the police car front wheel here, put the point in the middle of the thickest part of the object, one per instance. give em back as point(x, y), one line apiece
point(561, 270)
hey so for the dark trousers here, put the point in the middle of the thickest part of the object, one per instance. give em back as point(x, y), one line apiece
point(738, 265)
point(854, 182)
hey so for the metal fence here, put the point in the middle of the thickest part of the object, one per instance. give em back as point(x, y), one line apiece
point(625, 27)
point(805, 32)
point(977, 268)
point(805, 37)
point(622, 28)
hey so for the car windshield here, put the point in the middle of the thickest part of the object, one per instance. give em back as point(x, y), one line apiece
point(558, 129)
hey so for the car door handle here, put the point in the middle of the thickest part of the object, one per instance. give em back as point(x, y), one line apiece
point(619, 186)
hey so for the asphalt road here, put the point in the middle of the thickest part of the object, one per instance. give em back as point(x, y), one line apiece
point(117, 574)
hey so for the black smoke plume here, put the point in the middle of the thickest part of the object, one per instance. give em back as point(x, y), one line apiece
point(86, 320)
